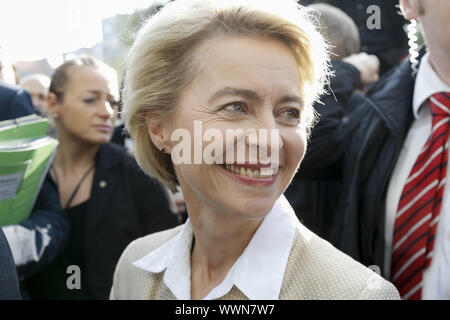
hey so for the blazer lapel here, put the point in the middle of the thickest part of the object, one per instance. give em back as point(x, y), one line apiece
point(106, 179)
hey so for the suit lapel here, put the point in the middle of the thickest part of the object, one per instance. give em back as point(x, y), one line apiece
point(106, 180)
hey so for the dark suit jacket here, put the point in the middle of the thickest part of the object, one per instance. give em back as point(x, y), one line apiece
point(14, 102)
point(9, 285)
point(125, 204)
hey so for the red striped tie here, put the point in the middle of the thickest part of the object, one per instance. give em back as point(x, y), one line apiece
point(420, 203)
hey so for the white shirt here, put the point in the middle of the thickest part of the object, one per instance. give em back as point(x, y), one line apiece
point(265, 257)
point(436, 280)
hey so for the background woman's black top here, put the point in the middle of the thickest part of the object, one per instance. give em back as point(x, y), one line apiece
point(124, 205)
point(52, 282)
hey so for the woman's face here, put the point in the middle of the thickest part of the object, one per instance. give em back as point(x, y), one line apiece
point(242, 83)
point(88, 109)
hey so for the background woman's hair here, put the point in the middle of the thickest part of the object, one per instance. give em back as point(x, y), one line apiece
point(60, 77)
point(162, 61)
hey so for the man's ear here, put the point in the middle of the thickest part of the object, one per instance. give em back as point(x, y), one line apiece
point(158, 132)
point(409, 9)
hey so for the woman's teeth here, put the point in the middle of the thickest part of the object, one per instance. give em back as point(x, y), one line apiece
point(251, 173)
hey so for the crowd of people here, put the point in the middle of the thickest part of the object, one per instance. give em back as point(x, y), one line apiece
point(363, 129)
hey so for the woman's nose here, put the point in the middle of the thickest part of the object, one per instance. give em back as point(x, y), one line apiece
point(106, 110)
point(267, 136)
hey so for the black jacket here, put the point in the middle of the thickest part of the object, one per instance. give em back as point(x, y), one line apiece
point(125, 204)
point(15, 102)
point(371, 151)
point(9, 288)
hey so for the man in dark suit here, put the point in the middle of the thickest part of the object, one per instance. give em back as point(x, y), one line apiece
point(37, 241)
point(393, 210)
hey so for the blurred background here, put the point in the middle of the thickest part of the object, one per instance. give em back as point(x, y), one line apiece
point(37, 36)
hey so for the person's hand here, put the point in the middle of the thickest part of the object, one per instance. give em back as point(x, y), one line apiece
point(368, 66)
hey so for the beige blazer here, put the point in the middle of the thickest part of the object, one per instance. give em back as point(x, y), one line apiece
point(315, 270)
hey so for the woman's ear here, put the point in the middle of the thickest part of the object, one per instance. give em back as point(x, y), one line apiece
point(409, 9)
point(52, 105)
point(158, 132)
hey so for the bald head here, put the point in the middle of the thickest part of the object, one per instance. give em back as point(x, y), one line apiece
point(37, 85)
point(339, 29)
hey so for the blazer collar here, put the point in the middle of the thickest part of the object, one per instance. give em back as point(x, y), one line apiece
point(106, 179)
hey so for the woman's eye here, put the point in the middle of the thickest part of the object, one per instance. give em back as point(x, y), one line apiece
point(234, 107)
point(89, 100)
point(113, 103)
point(290, 115)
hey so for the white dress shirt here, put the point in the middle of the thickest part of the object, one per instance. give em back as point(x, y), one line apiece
point(265, 257)
point(436, 280)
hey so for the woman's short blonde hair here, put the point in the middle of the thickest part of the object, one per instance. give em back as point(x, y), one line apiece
point(159, 64)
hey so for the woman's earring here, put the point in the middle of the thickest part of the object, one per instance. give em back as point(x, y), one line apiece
point(163, 150)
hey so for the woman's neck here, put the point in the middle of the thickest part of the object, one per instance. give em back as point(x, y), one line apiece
point(73, 153)
point(220, 239)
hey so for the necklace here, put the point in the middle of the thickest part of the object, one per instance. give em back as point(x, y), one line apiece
point(74, 192)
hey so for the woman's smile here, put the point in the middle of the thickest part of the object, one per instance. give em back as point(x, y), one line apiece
point(252, 174)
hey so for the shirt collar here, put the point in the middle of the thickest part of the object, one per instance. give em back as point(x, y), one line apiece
point(174, 257)
point(258, 272)
point(427, 83)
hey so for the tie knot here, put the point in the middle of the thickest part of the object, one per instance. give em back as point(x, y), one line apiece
point(440, 104)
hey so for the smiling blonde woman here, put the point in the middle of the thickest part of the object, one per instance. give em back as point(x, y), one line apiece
point(231, 65)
